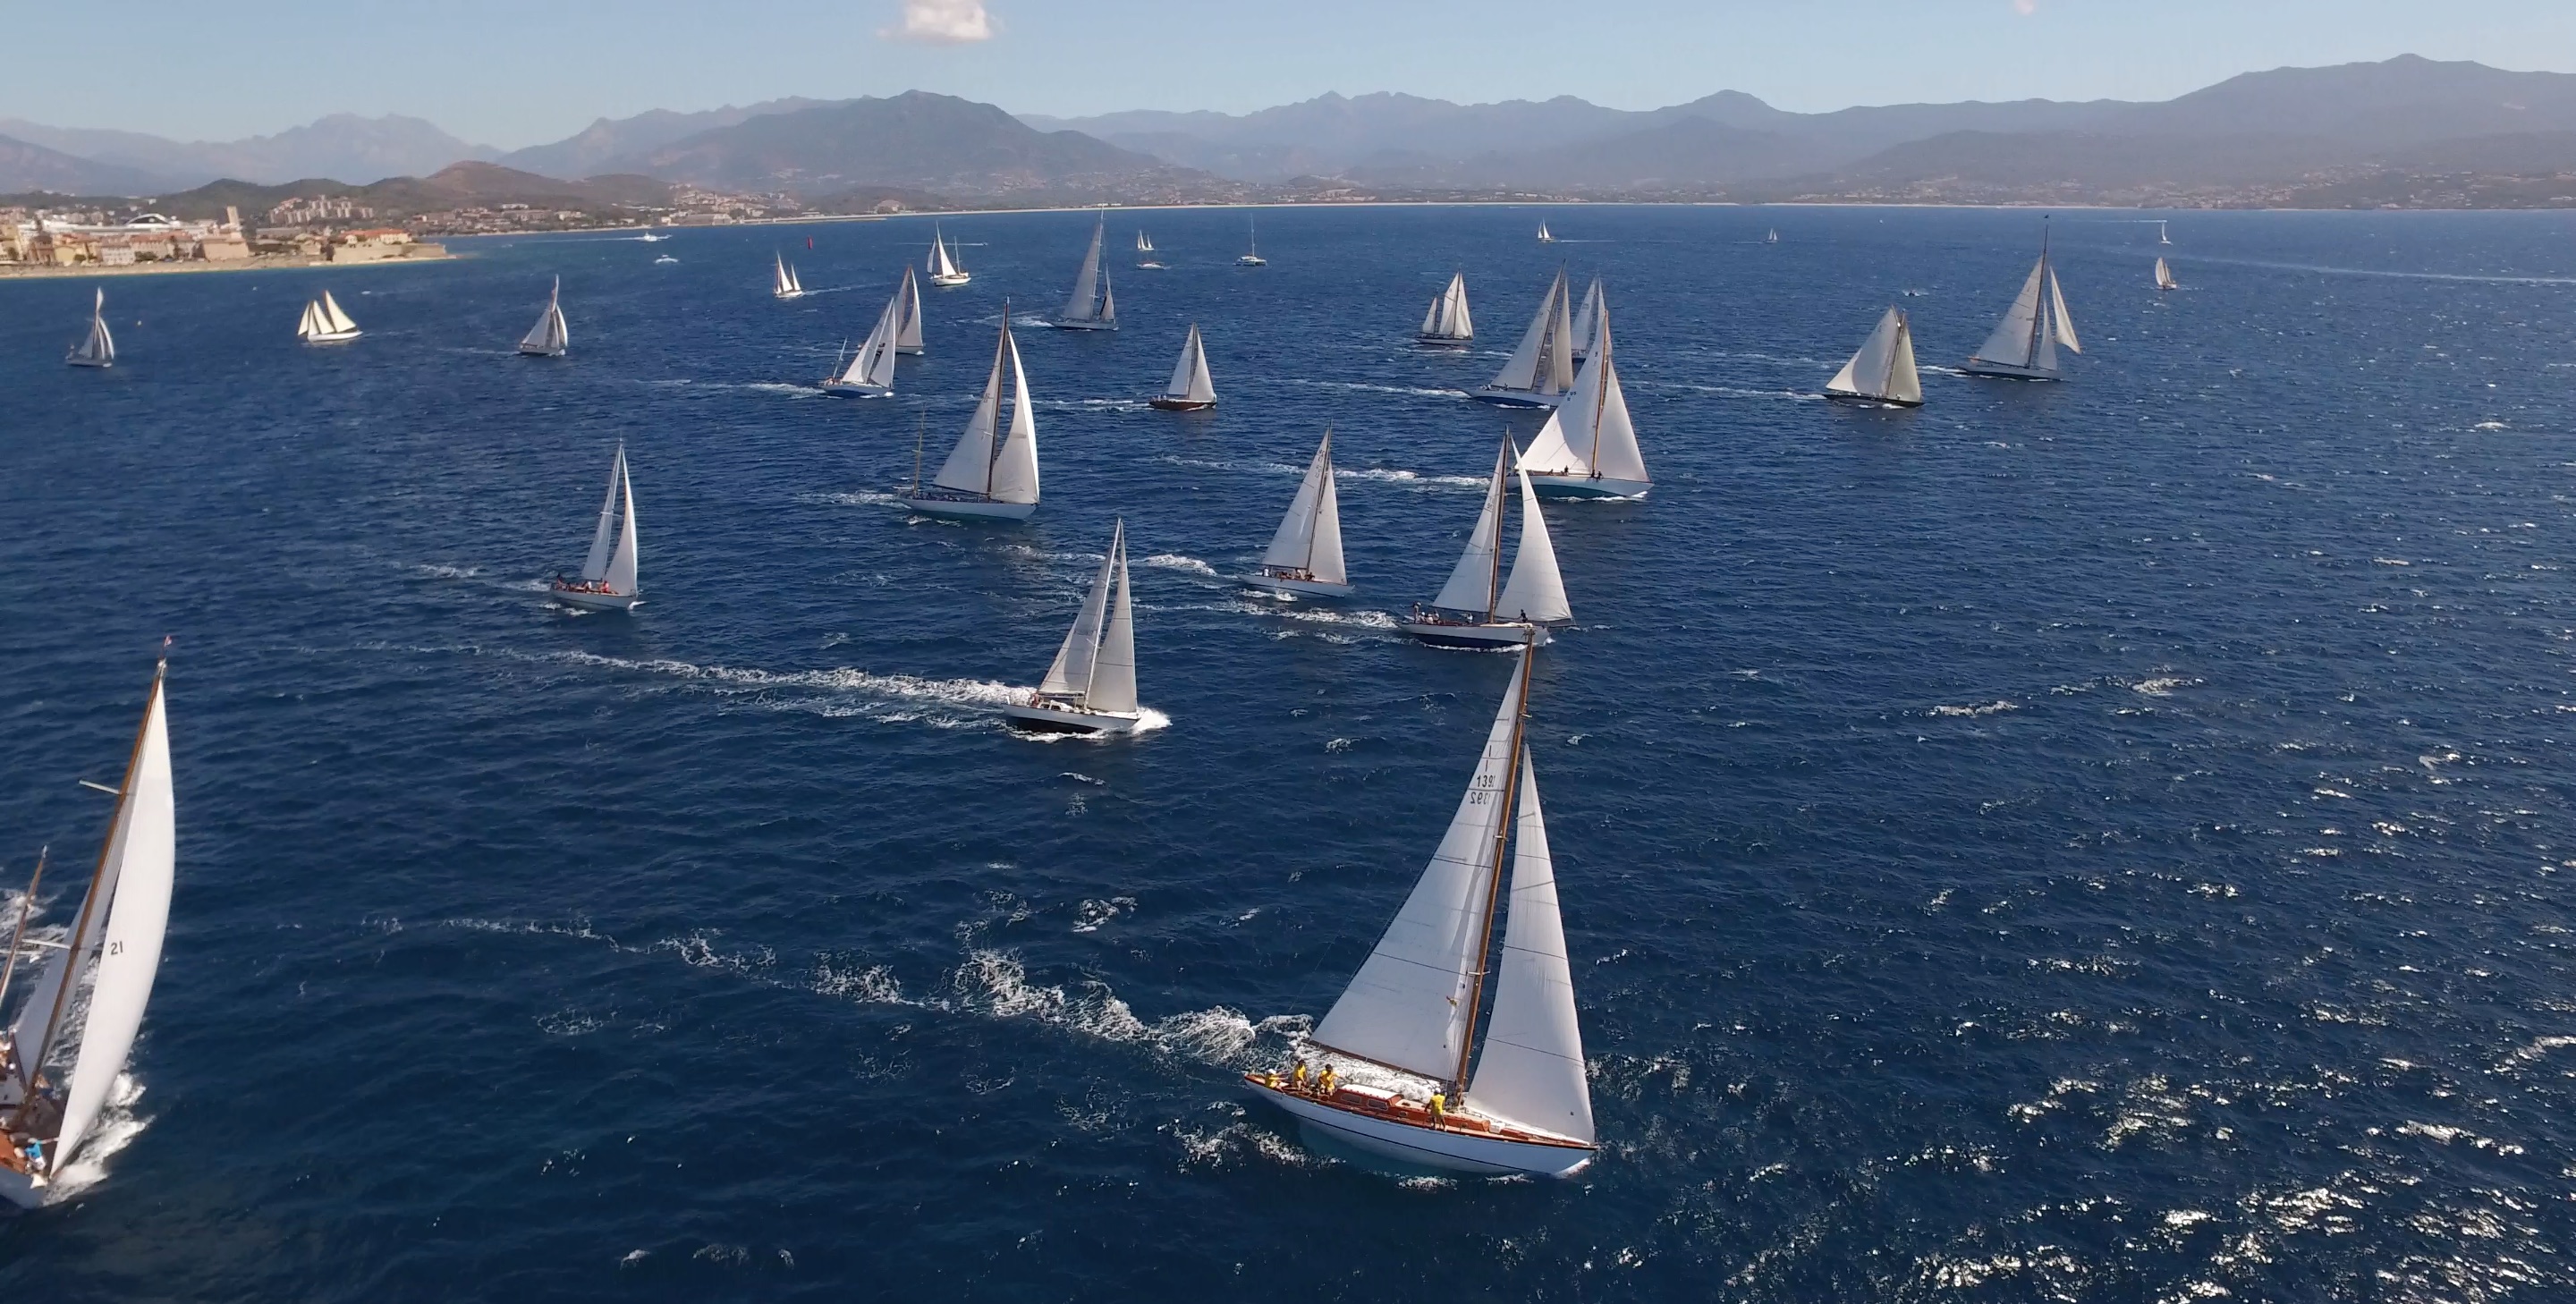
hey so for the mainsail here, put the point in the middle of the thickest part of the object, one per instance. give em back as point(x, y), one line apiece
point(1587, 321)
point(1089, 302)
point(1309, 542)
point(1476, 577)
point(1884, 367)
point(1006, 471)
point(943, 260)
point(1531, 1071)
point(1447, 318)
point(98, 349)
point(1096, 667)
point(1543, 364)
point(907, 327)
point(1589, 435)
point(1535, 592)
point(1190, 381)
point(873, 364)
point(549, 337)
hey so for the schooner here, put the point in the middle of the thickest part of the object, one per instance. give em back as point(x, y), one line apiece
point(325, 323)
point(1305, 556)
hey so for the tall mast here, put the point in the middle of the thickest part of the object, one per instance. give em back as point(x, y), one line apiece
point(1001, 425)
point(1494, 888)
point(1320, 487)
point(2039, 310)
point(18, 935)
point(1601, 390)
point(1494, 574)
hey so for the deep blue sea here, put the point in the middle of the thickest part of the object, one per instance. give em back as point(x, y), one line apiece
point(2105, 841)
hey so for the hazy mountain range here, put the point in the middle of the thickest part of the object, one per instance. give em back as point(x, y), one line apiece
point(2261, 137)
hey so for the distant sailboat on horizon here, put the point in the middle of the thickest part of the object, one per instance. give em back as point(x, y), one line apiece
point(1091, 306)
point(1541, 370)
point(2165, 277)
point(784, 284)
point(1252, 249)
point(325, 323)
point(1091, 686)
point(1190, 388)
point(1588, 448)
point(1447, 324)
point(992, 474)
point(549, 338)
point(1305, 555)
point(1479, 608)
point(945, 270)
point(1883, 371)
point(607, 581)
point(2163, 237)
point(1773, 237)
point(98, 348)
point(2024, 345)
point(1544, 237)
point(1145, 248)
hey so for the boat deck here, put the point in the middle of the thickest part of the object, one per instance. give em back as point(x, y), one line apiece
point(1372, 1102)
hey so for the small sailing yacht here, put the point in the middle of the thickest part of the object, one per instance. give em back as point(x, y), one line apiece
point(944, 267)
point(1883, 370)
point(98, 349)
point(1145, 253)
point(992, 474)
point(1543, 236)
point(907, 318)
point(1252, 247)
point(1773, 237)
point(548, 338)
point(1447, 323)
point(1091, 307)
point(1541, 370)
point(1190, 389)
point(1587, 321)
point(1305, 556)
point(1091, 688)
point(1588, 449)
point(324, 323)
point(2024, 345)
point(2163, 237)
point(1478, 608)
point(607, 580)
point(870, 372)
point(49, 1107)
point(1408, 1020)
point(785, 285)
point(2165, 277)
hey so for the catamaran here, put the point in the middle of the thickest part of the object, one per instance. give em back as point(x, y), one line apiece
point(1091, 306)
point(1543, 236)
point(1478, 608)
point(785, 285)
point(98, 349)
point(988, 478)
point(1091, 688)
point(1145, 253)
point(1883, 370)
point(1407, 1022)
point(2165, 277)
point(1541, 371)
point(1305, 556)
point(548, 338)
point(1252, 247)
point(1587, 321)
point(944, 267)
point(1447, 324)
point(1588, 449)
point(53, 1088)
point(325, 323)
point(2024, 345)
point(907, 316)
point(869, 373)
point(607, 580)
point(1189, 389)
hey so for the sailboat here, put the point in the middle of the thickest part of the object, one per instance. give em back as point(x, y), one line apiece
point(607, 580)
point(1408, 1019)
point(324, 323)
point(98, 349)
point(548, 338)
point(1543, 236)
point(870, 371)
point(1091, 307)
point(1773, 237)
point(2162, 236)
point(944, 268)
point(1190, 389)
point(2165, 277)
point(1091, 687)
point(1252, 248)
point(1588, 449)
point(2024, 345)
point(49, 1107)
point(1145, 252)
point(785, 285)
point(1305, 556)
point(907, 316)
point(1587, 321)
point(989, 478)
point(1447, 324)
point(1541, 370)
point(1478, 608)
point(1883, 370)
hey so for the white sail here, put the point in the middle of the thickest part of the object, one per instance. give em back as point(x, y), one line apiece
point(907, 330)
point(1071, 673)
point(1530, 1069)
point(2063, 325)
point(1108, 300)
point(2164, 275)
point(99, 349)
point(1113, 674)
point(943, 262)
point(1143, 245)
point(1084, 303)
point(1590, 434)
point(1542, 363)
point(1551, 453)
point(783, 282)
point(595, 566)
point(1884, 367)
point(2017, 337)
point(1587, 320)
point(549, 336)
point(1447, 317)
point(311, 324)
point(1310, 535)
point(1015, 463)
point(338, 321)
point(1190, 381)
point(116, 942)
point(873, 364)
point(969, 468)
point(1535, 592)
point(1471, 581)
point(1904, 383)
point(1409, 1004)
point(621, 563)
point(1543, 236)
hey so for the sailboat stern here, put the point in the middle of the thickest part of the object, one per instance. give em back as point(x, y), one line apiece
point(1384, 1124)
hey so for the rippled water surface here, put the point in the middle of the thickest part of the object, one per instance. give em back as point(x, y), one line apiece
point(2093, 842)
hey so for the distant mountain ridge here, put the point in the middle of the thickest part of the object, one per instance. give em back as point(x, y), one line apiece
point(341, 145)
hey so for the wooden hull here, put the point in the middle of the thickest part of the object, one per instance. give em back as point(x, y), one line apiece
point(1500, 636)
point(1034, 718)
point(1587, 486)
point(590, 601)
point(1516, 398)
point(1295, 588)
point(1167, 403)
point(971, 509)
point(1482, 1153)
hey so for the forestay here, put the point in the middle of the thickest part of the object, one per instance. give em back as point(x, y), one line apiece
point(1535, 592)
point(1542, 364)
point(1530, 1070)
point(1310, 536)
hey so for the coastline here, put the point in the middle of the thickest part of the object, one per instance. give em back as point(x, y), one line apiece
point(23, 272)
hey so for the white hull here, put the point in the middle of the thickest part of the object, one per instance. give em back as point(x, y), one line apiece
point(2005, 371)
point(853, 389)
point(1500, 636)
point(1068, 324)
point(1150, 267)
point(787, 294)
point(1249, 261)
point(1519, 398)
point(333, 337)
point(1443, 1148)
point(1290, 588)
point(21, 1189)
point(1066, 719)
point(971, 509)
point(952, 280)
point(596, 601)
point(1587, 486)
point(909, 350)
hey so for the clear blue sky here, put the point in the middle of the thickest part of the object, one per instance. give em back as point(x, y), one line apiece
point(520, 72)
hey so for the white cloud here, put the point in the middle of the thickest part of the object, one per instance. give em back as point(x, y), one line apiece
point(943, 22)
point(2025, 7)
